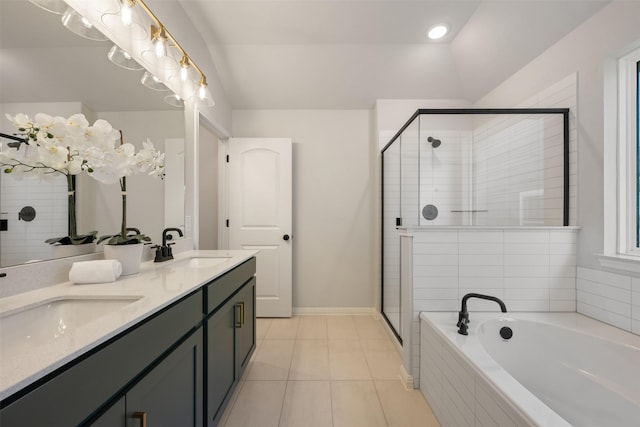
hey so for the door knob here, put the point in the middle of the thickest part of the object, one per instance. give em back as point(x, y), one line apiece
point(285, 237)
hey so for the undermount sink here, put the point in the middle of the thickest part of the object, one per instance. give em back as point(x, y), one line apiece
point(200, 262)
point(33, 326)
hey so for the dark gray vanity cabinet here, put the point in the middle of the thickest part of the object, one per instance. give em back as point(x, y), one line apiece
point(177, 367)
point(169, 395)
point(230, 336)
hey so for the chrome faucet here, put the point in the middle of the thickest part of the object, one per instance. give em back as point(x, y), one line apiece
point(463, 314)
point(164, 252)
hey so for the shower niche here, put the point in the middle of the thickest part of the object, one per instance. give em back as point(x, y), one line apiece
point(471, 168)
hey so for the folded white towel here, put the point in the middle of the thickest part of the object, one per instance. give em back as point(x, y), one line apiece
point(99, 271)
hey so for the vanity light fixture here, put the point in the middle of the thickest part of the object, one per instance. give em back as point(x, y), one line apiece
point(161, 37)
point(126, 12)
point(152, 82)
point(122, 59)
point(58, 7)
point(184, 68)
point(437, 32)
point(175, 100)
point(81, 26)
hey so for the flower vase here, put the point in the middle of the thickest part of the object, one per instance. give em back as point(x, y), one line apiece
point(130, 256)
point(62, 251)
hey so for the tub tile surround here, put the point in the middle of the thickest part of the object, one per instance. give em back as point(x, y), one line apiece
point(530, 269)
point(612, 298)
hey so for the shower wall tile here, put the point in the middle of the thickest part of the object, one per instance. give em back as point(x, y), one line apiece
point(609, 297)
point(530, 269)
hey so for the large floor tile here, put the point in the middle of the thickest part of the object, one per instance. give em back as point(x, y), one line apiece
point(307, 404)
point(356, 404)
point(341, 328)
point(259, 403)
point(347, 361)
point(312, 327)
point(262, 327)
point(404, 408)
point(369, 328)
point(271, 361)
point(283, 329)
point(310, 360)
point(384, 364)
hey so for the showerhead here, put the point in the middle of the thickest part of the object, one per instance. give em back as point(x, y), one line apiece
point(435, 143)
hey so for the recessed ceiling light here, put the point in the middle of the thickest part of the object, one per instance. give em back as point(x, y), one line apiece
point(438, 32)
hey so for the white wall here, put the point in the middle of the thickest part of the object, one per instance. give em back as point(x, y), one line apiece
point(584, 51)
point(333, 208)
point(208, 190)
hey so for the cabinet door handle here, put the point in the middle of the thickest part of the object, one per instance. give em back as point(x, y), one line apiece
point(237, 315)
point(242, 312)
point(142, 416)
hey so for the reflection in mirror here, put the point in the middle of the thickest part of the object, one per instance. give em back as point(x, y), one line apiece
point(49, 69)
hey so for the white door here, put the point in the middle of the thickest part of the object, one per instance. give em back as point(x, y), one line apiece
point(260, 216)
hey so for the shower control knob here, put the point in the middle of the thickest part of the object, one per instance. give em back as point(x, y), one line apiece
point(285, 237)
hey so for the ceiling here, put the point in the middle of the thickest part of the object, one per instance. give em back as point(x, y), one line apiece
point(300, 54)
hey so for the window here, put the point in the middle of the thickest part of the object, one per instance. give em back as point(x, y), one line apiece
point(622, 162)
point(629, 160)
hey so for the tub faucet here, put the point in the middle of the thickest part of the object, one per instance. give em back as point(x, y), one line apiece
point(463, 314)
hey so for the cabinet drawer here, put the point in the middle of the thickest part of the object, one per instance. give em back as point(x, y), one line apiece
point(78, 390)
point(223, 287)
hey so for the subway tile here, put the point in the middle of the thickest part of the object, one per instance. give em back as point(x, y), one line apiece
point(436, 259)
point(437, 305)
point(526, 294)
point(481, 259)
point(526, 248)
point(481, 248)
point(562, 305)
point(620, 321)
point(480, 271)
point(563, 259)
point(526, 260)
point(603, 290)
point(471, 236)
point(603, 303)
point(437, 236)
point(451, 293)
point(527, 305)
point(436, 282)
point(526, 282)
point(436, 271)
point(526, 236)
point(481, 282)
point(435, 248)
point(612, 279)
point(562, 294)
point(562, 271)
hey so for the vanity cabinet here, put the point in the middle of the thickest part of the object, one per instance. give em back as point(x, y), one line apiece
point(172, 368)
point(169, 395)
point(229, 336)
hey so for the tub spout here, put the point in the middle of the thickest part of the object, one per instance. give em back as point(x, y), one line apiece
point(463, 314)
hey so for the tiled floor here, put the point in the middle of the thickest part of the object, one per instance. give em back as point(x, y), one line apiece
point(325, 371)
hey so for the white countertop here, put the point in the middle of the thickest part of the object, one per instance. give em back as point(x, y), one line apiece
point(157, 285)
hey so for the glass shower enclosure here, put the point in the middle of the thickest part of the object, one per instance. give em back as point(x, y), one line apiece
point(471, 167)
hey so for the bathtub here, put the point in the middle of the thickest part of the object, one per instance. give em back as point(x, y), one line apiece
point(557, 369)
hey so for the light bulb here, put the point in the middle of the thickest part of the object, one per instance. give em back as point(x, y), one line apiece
point(160, 48)
point(184, 73)
point(125, 14)
point(202, 92)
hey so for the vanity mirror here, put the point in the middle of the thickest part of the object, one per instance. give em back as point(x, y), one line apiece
point(48, 69)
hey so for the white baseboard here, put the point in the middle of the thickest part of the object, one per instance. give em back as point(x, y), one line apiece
point(406, 379)
point(304, 311)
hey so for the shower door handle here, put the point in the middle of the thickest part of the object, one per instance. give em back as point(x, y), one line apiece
point(285, 237)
